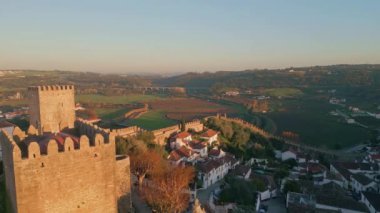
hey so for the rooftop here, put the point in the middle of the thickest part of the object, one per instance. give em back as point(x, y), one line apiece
point(183, 135)
point(373, 199)
point(209, 133)
point(362, 179)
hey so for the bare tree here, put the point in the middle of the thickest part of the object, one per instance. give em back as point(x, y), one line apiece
point(144, 163)
point(168, 189)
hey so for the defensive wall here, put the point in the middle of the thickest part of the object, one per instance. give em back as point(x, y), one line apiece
point(84, 178)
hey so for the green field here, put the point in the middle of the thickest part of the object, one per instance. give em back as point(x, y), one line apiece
point(310, 119)
point(106, 113)
point(122, 99)
point(283, 92)
point(151, 120)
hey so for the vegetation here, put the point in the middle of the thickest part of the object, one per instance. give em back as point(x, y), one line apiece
point(240, 191)
point(167, 191)
point(292, 186)
point(240, 141)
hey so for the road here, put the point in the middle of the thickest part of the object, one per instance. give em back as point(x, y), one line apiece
point(203, 195)
point(276, 205)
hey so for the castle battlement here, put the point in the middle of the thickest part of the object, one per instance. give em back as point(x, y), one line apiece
point(51, 88)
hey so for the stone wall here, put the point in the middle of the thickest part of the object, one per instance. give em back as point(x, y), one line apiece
point(51, 108)
point(161, 135)
point(87, 179)
point(195, 125)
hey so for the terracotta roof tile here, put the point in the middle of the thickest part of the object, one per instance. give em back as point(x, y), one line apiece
point(209, 133)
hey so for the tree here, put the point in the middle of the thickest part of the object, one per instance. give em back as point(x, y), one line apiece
point(145, 163)
point(292, 186)
point(130, 146)
point(167, 189)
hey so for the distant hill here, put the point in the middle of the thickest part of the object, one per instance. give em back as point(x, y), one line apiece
point(334, 75)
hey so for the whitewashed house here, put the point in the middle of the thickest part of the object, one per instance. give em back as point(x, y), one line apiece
point(361, 183)
point(181, 139)
point(213, 170)
point(210, 136)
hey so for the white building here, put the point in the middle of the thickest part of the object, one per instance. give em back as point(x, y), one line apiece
point(288, 155)
point(210, 136)
point(181, 139)
point(361, 183)
point(213, 170)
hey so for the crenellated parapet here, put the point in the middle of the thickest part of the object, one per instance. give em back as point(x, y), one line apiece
point(128, 131)
point(195, 125)
point(91, 130)
point(11, 150)
point(51, 88)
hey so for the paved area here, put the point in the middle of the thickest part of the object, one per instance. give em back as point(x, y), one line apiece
point(276, 205)
point(138, 203)
point(203, 195)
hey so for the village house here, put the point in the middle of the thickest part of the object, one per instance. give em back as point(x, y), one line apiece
point(198, 147)
point(210, 136)
point(213, 170)
point(344, 170)
point(292, 154)
point(241, 171)
point(181, 139)
point(216, 153)
point(372, 201)
point(183, 154)
point(270, 190)
point(362, 183)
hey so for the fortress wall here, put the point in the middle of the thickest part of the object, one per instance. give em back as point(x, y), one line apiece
point(11, 154)
point(123, 183)
point(52, 108)
point(195, 125)
point(128, 131)
point(161, 135)
point(75, 180)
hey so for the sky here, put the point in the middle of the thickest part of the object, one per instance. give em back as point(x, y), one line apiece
point(171, 36)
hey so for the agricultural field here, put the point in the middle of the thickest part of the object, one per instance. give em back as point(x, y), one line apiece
point(119, 99)
point(283, 92)
point(188, 108)
point(310, 118)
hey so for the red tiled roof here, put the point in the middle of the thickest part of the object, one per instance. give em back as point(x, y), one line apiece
point(184, 151)
point(209, 133)
point(174, 156)
point(315, 168)
point(214, 152)
point(197, 144)
point(183, 135)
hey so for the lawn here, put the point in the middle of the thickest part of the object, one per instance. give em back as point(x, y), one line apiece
point(122, 99)
point(151, 120)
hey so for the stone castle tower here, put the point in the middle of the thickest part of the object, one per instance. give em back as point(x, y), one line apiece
point(51, 108)
point(73, 170)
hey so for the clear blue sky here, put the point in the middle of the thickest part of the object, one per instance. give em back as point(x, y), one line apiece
point(186, 35)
